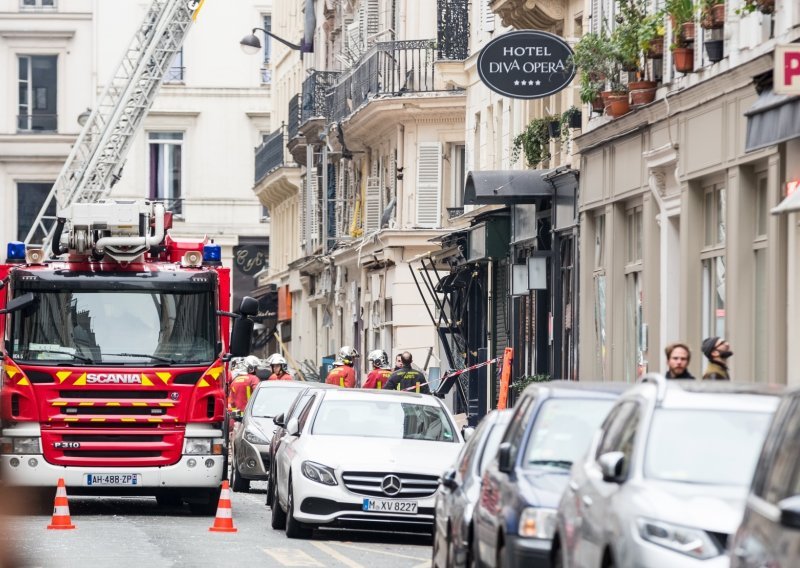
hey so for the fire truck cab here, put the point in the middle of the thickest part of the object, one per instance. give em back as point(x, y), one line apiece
point(114, 359)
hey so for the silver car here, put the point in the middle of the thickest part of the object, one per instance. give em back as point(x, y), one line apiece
point(254, 430)
point(665, 479)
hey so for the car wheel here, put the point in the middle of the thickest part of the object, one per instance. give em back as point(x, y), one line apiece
point(501, 556)
point(278, 518)
point(238, 483)
point(474, 553)
point(557, 558)
point(435, 547)
point(270, 495)
point(294, 528)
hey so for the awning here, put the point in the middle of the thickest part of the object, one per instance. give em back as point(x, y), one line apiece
point(772, 119)
point(788, 205)
point(506, 187)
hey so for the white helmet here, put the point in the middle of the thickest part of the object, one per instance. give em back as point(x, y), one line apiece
point(277, 359)
point(338, 362)
point(238, 372)
point(251, 361)
point(348, 354)
point(379, 358)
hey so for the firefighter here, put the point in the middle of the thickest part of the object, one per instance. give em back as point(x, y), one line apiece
point(408, 378)
point(278, 365)
point(343, 373)
point(243, 385)
point(379, 375)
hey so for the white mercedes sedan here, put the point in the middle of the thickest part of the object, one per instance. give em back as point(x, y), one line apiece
point(363, 458)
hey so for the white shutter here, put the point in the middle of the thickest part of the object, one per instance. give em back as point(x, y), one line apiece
point(372, 209)
point(488, 16)
point(429, 176)
point(313, 212)
point(594, 25)
point(372, 21)
point(304, 210)
point(353, 36)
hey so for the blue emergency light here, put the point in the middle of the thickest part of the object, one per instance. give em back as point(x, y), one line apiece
point(15, 251)
point(212, 253)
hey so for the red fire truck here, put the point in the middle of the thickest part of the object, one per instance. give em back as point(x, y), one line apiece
point(114, 358)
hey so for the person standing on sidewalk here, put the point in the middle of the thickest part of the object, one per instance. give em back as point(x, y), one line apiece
point(717, 350)
point(380, 373)
point(678, 357)
point(407, 378)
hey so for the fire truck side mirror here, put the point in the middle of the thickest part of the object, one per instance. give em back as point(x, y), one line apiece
point(19, 303)
point(241, 335)
point(249, 306)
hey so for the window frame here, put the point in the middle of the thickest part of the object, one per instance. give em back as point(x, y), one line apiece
point(30, 102)
point(634, 313)
point(177, 205)
point(711, 254)
point(38, 5)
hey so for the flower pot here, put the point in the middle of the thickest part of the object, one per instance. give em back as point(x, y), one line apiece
point(687, 31)
point(640, 97)
point(683, 58)
point(718, 15)
point(639, 85)
point(656, 48)
point(576, 120)
point(598, 105)
point(714, 50)
point(605, 95)
point(554, 128)
point(765, 6)
point(618, 105)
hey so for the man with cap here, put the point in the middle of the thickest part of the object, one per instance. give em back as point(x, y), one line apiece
point(717, 350)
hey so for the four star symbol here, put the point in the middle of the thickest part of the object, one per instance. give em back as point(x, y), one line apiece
point(530, 82)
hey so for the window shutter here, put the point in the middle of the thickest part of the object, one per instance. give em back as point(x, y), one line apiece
point(429, 174)
point(313, 212)
point(594, 26)
point(488, 16)
point(353, 36)
point(372, 21)
point(372, 210)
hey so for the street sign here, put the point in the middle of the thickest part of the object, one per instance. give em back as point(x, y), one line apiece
point(526, 64)
point(786, 73)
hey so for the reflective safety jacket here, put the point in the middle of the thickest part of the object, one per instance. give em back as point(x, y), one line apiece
point(242, 388)
point(408, 378)
point(281, 377)
point(343, 376)
point(377, 378)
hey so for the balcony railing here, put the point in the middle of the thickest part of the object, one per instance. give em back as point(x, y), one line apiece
point(271, 154)
point(293, 125)
point(453, 29)
point(387, 68)
point(317, 95)
point(37, 122)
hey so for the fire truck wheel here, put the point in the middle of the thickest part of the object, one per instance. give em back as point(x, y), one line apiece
point(169, 499)
point(205, 505)
point(238, 483)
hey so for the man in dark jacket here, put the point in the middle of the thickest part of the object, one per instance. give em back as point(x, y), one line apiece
point(717, 350)
point(407, 378)
point(678, 357)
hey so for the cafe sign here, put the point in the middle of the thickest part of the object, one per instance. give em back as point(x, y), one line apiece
point(526, 64)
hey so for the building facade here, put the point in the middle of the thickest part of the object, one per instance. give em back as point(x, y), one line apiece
point(194, 150)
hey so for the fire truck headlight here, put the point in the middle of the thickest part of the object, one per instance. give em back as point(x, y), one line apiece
point(26, 446)
point(198, 446)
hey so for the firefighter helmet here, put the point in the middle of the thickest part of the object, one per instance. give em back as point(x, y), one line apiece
point(379, 358)
point(277, 359)
point(251, 361)
point(348, 354)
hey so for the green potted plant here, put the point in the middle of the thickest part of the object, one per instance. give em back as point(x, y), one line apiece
point(681, 12)
point(750, 6)
point(523, 382)
point(534, 142)
point(592, 56)
point(651, 35)
point(712, 14)
point(569, 119)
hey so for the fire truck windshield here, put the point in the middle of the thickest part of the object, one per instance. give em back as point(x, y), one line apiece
point(119, 327)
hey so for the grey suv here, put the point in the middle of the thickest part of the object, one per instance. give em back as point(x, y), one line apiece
point(665, 479)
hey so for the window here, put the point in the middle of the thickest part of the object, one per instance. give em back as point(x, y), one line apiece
point(166, 173)
point(38, 91)
point(30, 198)
point(459, 175)
point(713, 262)
point(38, 3)
point(175, 71)
point(266, 69)
point(634, 324)
point(760, 277)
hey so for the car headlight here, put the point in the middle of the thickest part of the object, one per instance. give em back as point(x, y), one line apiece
point(255, 436)
point(692, 542)
point(198, 446)
point(537, 523)
point(319, 473)
point(25, 446)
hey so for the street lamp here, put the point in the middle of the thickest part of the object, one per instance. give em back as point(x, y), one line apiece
point(251, 45)
point(83, 117)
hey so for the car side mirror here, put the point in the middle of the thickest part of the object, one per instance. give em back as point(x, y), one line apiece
point(293, 427)
point(448, 479)
point(790, 512)
point(467, 432)
point(611, 465)
point(280, 420)
point(504, 458)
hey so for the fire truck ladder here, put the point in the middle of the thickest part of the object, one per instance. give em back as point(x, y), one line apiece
point(95, 163)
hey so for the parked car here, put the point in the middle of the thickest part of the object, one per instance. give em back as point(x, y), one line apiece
point(665, 479)
point(769, 534)
point(459, 489)
point(552, 427)
point(253, 433)
point(279, 434)
point(364, 458)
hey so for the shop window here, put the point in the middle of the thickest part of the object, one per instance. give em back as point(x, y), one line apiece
point(634, 301)
point(713, 262)
point(760, 277)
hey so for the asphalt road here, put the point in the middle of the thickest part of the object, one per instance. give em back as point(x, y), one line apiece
point(135, 532)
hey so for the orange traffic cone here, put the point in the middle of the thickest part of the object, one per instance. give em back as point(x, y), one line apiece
point(223, 522)
point(61, 518)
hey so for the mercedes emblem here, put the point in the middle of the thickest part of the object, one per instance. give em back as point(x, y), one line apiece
point(391, 485)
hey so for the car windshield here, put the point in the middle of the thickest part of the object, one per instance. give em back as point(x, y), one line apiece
point(715, 447)
point(141, 328)
point(563, 430)
point(271, 402)
point(383, 419)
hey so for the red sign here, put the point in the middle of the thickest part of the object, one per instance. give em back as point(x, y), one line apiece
point(786, 75)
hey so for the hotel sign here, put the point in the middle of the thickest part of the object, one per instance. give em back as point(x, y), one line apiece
point(526, 64)
point(786, 76)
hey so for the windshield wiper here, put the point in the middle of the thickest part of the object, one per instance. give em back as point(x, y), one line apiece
point(155, 357)
point(555, 463)
point(67, 353)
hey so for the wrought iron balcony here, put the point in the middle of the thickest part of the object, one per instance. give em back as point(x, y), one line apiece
point(271, 155)
point(387, 68)
point(317, 95)
point(293, 126)
point(453, 29)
